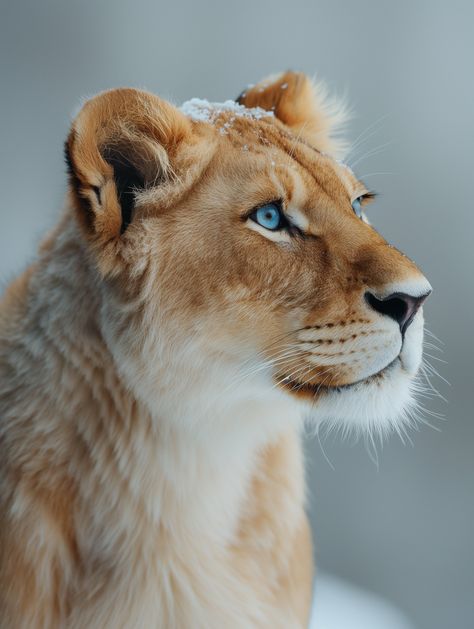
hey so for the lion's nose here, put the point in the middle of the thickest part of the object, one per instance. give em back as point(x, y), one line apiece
point(399, 306)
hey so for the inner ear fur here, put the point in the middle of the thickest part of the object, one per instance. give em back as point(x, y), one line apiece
point(303, 106)
point(122, 141)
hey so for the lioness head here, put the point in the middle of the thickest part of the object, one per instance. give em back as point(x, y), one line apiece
point(234, 258)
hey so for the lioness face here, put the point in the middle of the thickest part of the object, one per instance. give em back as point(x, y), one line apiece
point(243, 245)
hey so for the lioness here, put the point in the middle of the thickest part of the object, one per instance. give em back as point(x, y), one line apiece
point(212, 282)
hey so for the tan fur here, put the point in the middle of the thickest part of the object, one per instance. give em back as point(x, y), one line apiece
point(151, 471)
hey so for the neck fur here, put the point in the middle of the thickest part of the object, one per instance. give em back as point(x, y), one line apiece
point(179, 455)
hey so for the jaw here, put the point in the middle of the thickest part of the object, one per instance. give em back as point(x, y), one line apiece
point(379, 404)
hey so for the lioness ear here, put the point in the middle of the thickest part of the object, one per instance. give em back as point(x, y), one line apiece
point(121, 142)
point(303, 106)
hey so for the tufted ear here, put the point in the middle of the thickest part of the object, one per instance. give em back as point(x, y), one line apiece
point(303, 106)
point(121, 142)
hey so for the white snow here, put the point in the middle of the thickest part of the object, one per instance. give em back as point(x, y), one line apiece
point(204, 111)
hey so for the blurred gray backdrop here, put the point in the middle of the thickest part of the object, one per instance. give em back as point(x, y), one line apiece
point(405, 528)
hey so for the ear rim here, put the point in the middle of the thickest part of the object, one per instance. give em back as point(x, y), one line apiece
point(77, 187)
point(119, 136)
point(304, 106)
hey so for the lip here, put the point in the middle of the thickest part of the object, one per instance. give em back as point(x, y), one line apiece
point(312, 391)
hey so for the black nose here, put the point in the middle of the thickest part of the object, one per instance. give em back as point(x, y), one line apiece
point(400, 306)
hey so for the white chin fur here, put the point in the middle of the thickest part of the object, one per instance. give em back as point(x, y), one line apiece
point(376, 406)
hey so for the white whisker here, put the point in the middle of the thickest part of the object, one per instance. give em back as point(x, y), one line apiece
point(371, 153)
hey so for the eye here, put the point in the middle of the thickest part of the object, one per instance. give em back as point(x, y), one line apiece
point(357, 206)
point(270, 216)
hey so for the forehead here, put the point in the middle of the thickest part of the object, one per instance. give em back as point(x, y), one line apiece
point(260, 153)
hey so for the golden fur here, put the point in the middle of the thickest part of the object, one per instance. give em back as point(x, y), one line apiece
point(156, 360)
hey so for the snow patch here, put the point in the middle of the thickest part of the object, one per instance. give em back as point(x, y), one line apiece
point(204, 111)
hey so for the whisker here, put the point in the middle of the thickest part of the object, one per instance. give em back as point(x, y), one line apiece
point(362, 138)
point(432, 346)
point(440, 360)
point(324, 452)
point(430, 385)
point(371, 153)
point(429, 333)
point(367, 175)
point(434, 372)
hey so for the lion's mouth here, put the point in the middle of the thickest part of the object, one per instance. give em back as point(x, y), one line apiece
point(308, 390)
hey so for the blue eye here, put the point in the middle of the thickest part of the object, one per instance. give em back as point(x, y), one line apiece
point(357, 206)
point(269, 216)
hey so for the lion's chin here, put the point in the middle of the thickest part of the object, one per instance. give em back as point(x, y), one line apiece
point(378, 404)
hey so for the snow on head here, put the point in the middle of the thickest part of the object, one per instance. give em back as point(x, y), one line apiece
point(204, 111)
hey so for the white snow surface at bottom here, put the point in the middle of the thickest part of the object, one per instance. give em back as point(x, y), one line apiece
point(338, 604)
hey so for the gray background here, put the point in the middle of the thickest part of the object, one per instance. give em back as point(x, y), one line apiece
point(403, 529)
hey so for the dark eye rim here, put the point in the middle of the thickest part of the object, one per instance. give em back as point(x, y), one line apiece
point(364, 199)
point(284, 223)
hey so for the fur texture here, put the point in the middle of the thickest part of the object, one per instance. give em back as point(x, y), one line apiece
point(158, 359)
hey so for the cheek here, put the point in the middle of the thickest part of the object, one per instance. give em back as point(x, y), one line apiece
point(282, 274)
